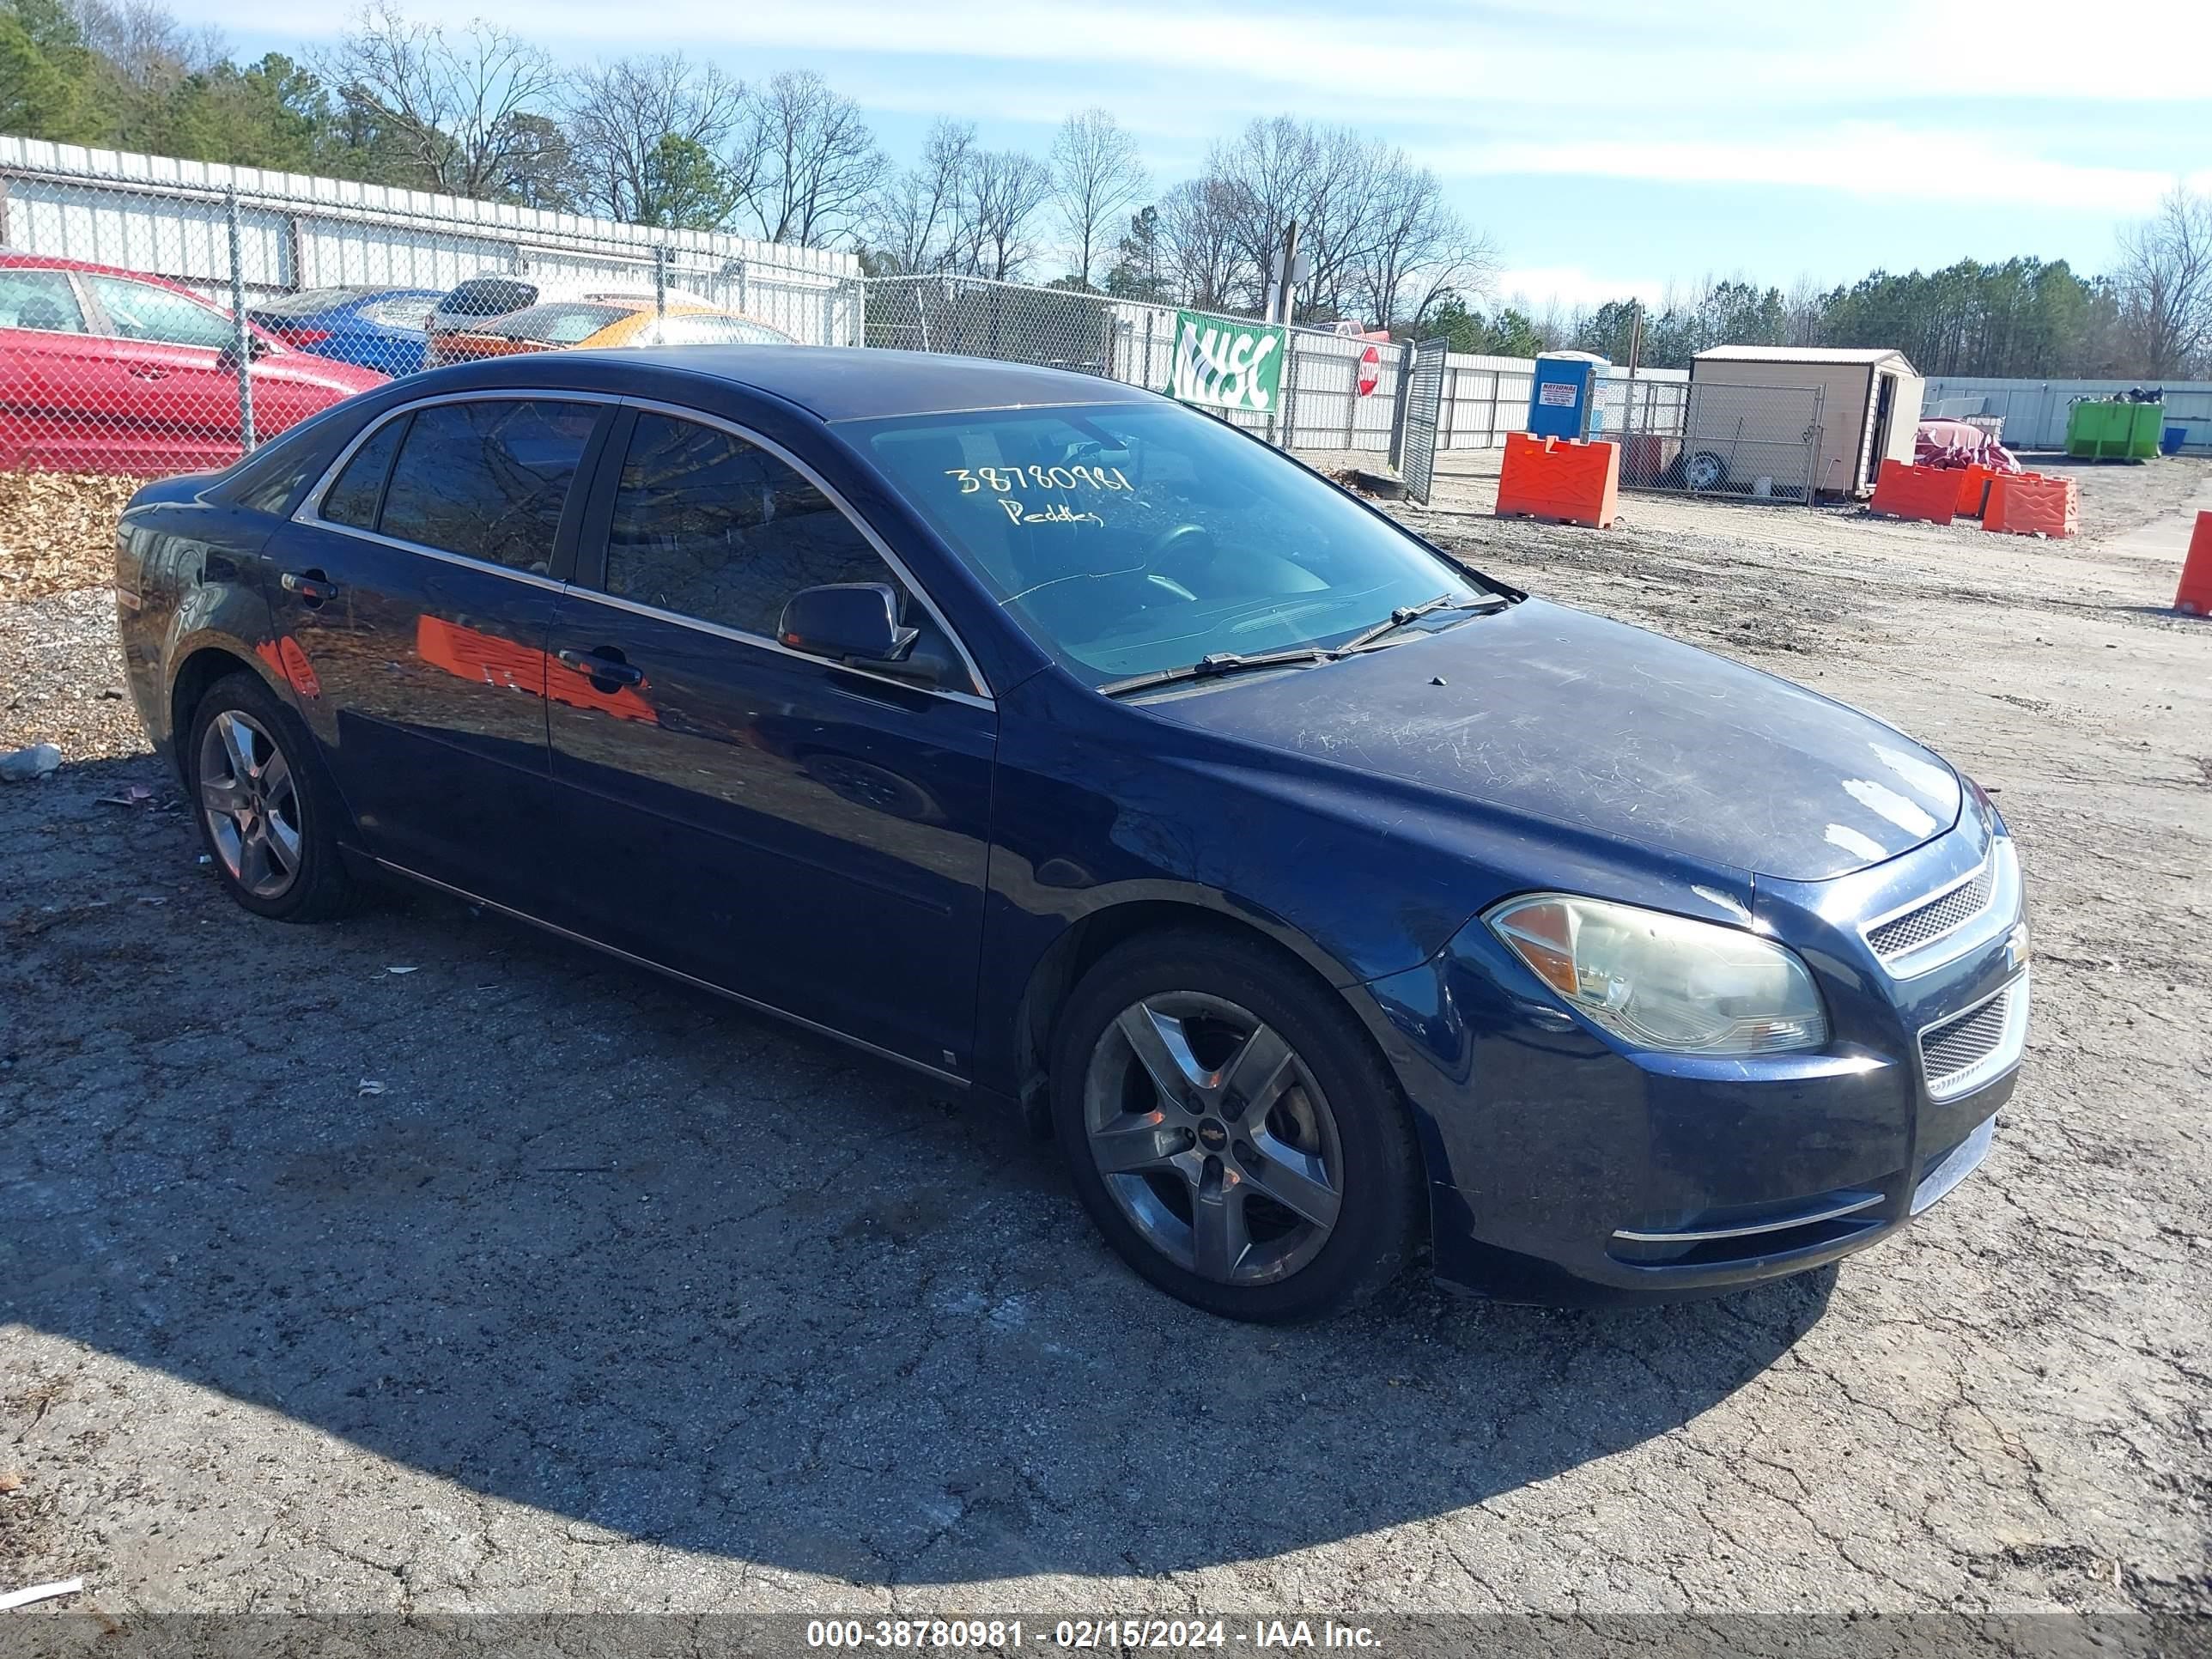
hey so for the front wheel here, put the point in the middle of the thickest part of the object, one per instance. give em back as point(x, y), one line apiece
point(1231, 1131)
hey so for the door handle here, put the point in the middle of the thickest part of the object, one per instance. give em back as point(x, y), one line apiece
point(312, 586)
point(604, 665)
point(151, 374)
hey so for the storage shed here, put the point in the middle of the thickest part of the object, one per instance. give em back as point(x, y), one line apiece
point(1870, 403)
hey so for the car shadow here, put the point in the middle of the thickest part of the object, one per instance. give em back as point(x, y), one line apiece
point(483, 1203)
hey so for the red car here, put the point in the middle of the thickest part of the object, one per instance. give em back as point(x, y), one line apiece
point(103, 370)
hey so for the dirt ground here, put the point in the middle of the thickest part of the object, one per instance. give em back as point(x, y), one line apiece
point(422, 1263)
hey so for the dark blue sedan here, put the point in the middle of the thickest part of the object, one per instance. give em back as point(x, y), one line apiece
point(1327, 900)
point(385, 329)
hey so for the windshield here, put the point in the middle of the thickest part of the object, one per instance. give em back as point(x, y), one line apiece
point(566, 323)
point(307, 302)
point(1129, 538)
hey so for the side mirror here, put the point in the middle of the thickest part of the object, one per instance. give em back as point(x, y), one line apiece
point(256, 350)
point(852, 622)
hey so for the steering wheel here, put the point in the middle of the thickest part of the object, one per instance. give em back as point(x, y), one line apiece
point(1178, 558)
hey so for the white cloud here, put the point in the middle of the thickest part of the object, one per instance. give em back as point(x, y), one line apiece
point(1879, 161)
point(1533, 288)
point(1515, 54)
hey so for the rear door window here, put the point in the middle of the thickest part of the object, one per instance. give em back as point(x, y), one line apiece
point(41, 300)
point(488, 479)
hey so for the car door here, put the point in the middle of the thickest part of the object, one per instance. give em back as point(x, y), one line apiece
point(418, 583)
point(806, 834)
point(177, 380)
point(56, 377)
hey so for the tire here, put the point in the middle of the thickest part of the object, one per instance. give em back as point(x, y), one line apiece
point(1706, 471)
point(266, 814)
point(1310, 1212)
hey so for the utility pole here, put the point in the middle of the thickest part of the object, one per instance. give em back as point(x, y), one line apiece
point(1285, 276)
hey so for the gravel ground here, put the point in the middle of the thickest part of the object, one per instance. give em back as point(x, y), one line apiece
point(422, 1263)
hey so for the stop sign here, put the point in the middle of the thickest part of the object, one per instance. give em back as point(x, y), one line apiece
point(1371, 370)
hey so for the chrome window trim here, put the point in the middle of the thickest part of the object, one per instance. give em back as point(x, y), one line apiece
point(2010, 1049)
point(979, 687)
point(1968, 931)
point(310, 509)
point(740, 637)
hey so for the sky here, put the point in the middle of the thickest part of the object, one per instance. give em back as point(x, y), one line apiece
point(1606, 147)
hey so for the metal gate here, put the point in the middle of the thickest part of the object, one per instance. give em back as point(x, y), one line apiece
point(1758, 443)
point(1420, 413)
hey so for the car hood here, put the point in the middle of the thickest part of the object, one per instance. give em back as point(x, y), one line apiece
point(1553, 713)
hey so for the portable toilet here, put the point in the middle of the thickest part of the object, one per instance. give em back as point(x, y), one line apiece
point(1563, 395)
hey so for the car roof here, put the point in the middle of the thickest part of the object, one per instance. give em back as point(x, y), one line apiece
point(852, 383)
point(12, 260)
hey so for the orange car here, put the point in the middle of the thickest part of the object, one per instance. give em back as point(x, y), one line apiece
point(589, 324)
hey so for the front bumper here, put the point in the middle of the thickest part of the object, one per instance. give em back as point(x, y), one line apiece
point(1567, 1168)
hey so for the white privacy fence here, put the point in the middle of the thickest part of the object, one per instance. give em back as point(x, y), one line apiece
point(173, 219)
point(2035, 411)
point(1485, 397)
point(1320, 405)
point(160, 316)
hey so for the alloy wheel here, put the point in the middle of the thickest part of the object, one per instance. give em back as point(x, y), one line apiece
point(1213, 1138)
point(251, 803)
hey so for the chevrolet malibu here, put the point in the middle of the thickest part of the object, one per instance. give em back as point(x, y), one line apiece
point(1329, 901)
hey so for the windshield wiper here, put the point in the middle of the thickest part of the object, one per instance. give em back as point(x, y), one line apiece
point(1406, 613)
point(1220, 662)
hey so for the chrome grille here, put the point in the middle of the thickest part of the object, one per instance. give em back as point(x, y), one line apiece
point(1938, 917)
point(1971, 1049)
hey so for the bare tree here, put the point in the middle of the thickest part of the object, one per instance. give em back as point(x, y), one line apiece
point(1199, 243)
point(1282, 170)
point(628, 119)
point(1000, 193)
point(148, 50)
point(807, 163)
point(1802, 311)
point(449, 99)
point(1097, 175)
point(911, 223)
point(2164, 280)
point(1411, 248)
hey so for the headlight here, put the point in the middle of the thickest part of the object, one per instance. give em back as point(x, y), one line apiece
point(1662, 981)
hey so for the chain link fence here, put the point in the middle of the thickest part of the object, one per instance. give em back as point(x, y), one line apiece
point(1338, 393)
point(160, 316)
point(1700, 437)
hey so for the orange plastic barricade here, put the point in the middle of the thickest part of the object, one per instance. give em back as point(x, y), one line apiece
point(1974, 491)
point(1565, 481)
point(1927, 493)
point(2025, 503)
point(2194, 597)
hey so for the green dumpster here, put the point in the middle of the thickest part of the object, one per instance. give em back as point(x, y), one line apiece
point(2114, 430)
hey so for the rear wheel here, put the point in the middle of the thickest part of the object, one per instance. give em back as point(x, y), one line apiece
point(266, 814)
point(1230, 1130)
point(1706, 471)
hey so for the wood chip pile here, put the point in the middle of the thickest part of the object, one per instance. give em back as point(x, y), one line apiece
point(57, 531)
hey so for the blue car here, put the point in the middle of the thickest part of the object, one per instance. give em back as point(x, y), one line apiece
point(385, 329)
point(1325, 899)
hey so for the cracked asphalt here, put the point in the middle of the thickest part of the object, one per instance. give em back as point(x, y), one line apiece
point(424, 1264)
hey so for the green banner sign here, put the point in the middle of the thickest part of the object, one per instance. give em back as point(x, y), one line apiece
point(1225, 363)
